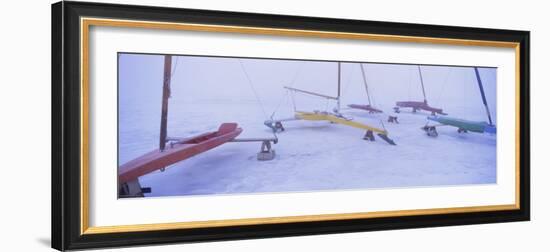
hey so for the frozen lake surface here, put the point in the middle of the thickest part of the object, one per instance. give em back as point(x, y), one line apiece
point(313, 155)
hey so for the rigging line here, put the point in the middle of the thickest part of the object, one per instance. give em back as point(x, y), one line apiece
point(172, 73)
point(175, 67)
point(293, 100)
point(383, 126)
point(480, 84)
point(339, 78)
point(422, 83)
point(284, 98)
point(444, 85)
point(296, 75)
point(410, 83)
point(464, 79)
point(253, 89)
point(365, 82)
point(339, 83)
point(373, 97)
point(348, 81)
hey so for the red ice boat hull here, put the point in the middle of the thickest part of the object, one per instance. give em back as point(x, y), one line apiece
point(417, 105)
point(182, 150)
point(368, 108)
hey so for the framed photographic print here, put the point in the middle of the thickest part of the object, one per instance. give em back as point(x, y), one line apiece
point(180, 125)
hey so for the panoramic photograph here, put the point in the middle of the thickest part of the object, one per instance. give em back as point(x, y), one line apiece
point(210, 125)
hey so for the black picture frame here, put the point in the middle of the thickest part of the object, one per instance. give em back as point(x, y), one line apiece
point(66, 153)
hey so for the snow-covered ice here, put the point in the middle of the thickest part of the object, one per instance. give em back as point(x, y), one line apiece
point(310, 155)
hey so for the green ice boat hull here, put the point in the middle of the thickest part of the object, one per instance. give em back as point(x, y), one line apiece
point(474, 126)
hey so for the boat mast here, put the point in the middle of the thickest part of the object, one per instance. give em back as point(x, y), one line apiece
point(339, 75)
point(422, 83)
point(365, 82)
point(483, 95)
point(165, 96)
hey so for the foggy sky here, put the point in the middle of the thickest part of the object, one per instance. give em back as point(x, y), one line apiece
point(221, 80)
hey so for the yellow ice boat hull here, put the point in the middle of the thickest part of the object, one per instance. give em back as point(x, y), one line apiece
point(332, 118)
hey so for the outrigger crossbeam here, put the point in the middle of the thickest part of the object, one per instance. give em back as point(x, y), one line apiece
point(266, 153)
point(311, 93)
